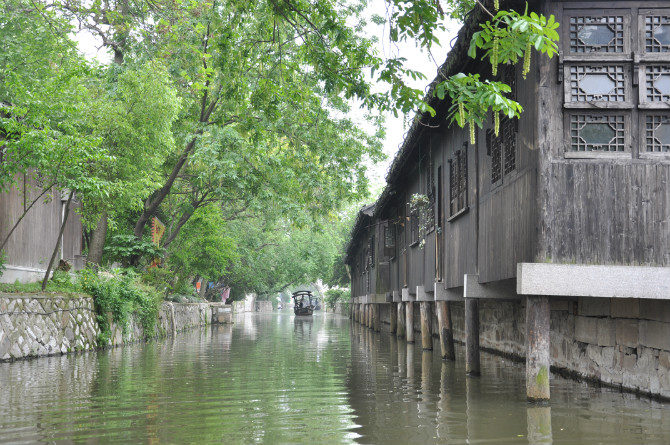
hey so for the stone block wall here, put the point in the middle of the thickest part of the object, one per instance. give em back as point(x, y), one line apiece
point(41, 325)
point(32, 326)
point(621, 342)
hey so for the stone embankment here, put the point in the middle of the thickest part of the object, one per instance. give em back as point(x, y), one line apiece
point(41, 325)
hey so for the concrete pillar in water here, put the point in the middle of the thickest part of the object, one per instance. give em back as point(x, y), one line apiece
point(393, 317)
point(426, 326)
point(409, 321)
point(446, 333)
point(472, 336)
point(538, 358)
point(378, 317)
point(400, 331)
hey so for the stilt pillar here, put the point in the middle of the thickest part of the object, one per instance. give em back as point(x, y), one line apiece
point(378, 317)
point(393, 317)
point(472, 336)
point(446, 333)
point(409, 321)
point(426, 326)
point(538, 358)
point(400, 332)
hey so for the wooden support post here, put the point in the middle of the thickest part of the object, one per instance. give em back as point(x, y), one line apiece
point(373, 316)
point(370, 315)
point(472, 337)
point(446, 333)
point(400, 332)
point(393, 317)
point(426, 326)
point(538, 356)
point(409, 321)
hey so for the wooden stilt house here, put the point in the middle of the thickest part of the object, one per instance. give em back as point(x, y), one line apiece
point(571, 201)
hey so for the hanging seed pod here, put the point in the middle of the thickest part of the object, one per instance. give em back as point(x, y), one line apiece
point(496, 122)
point(496, 5)
point(494, 57)
point(461, 114)
point(526, 61)
point(472, 133)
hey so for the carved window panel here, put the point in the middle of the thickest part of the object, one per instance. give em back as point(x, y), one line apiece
point(389, 240)
point(502, 149)
point(598, 132)
point(598, 34)
point(656, 89)
point(657, 33)
point(458, 183)
point(597, 83)
point(657, 133)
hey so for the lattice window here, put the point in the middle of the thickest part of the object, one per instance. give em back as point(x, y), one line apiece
point(502, 150)
point(389, 240)
point(597, 34)
point(494, 147)
point(597, 83)
point(430, 193)
point(458, 182)
point(658, 133)
point(657, 33)
point(657, 83)
point(508, 133)
point(371, 252)
point(590, 132)
point(414, 227)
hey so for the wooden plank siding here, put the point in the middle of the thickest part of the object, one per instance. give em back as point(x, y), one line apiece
point(34, 239)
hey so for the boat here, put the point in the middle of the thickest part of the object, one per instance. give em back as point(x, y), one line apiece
point(304, 302)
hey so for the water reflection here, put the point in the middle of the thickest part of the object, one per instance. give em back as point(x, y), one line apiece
point(272, 378)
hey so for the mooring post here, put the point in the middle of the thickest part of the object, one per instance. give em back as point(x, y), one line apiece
point(400, 332)
point(472, 336)
point(538, 358)
point(426, 326)
point(409, 321)
point(446, 334)
point(393, 317)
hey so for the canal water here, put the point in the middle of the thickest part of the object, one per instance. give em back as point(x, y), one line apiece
point(275, 379)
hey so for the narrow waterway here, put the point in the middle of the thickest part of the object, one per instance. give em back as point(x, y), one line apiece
point(275, 379)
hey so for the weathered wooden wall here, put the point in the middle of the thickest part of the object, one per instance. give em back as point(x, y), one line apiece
point(32, 243)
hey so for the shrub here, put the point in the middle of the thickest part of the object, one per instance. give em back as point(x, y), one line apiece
point(121, 295)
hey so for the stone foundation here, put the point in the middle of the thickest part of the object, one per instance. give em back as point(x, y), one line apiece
point(41, 325)
point(620, 342)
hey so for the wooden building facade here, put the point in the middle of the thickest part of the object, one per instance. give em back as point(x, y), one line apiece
point(31, 245)
point(577, 187)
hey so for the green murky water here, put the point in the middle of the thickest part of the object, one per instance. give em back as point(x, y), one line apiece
point(274, 379)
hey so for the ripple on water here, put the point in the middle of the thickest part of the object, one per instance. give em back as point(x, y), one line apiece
point(272, 379)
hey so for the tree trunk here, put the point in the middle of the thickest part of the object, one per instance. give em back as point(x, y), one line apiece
point(98, 241)
point(58, 242)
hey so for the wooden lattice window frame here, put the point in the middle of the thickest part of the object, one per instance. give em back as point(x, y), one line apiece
point(502, 150)
point(390, 240)
point(458, 183)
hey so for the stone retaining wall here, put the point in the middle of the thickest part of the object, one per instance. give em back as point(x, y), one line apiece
point(40, 325)
point(620, 342)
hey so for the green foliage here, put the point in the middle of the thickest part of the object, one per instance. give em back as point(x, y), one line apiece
point(120, 295)
point(511, 35)
point(471, 100)
point(122, 248)
point(337, 295)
